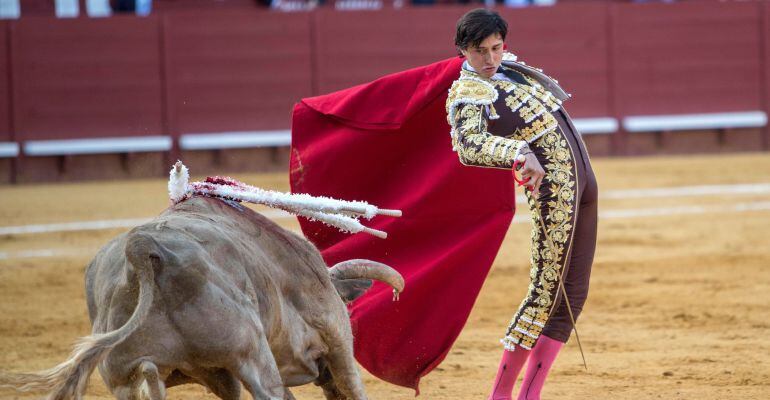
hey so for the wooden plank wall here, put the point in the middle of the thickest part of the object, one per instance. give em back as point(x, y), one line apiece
point(244, 71)
point(244, 68)
point(86, 77)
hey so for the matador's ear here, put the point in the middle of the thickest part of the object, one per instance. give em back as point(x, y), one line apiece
point(505, 46)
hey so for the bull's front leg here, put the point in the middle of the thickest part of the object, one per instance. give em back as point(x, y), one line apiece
point(346, 380)
point(326, 382)
point(288, 395)
point(258, 371)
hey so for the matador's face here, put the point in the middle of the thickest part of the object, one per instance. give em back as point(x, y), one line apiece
point(486, 58)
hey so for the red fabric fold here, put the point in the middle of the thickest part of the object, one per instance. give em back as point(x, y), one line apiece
point(390, 100)
point(387, 143)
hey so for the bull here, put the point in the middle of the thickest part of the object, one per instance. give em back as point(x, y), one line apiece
point(213, 293)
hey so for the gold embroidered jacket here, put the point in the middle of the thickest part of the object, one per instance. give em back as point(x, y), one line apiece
point(493, 120)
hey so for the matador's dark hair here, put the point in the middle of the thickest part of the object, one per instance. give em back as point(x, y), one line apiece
point(476, 25)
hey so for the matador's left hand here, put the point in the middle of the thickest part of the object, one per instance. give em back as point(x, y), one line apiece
point(532, 172)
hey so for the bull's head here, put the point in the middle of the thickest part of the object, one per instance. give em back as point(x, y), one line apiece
point(353, 278)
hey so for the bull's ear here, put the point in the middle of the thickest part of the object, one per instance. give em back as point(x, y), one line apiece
point(351, 289)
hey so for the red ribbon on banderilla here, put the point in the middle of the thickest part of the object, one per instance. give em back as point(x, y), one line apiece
point(518, 163)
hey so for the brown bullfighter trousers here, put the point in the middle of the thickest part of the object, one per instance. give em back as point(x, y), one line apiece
point(567, 208)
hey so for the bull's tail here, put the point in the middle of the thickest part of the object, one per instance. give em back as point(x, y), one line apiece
point(69, 379)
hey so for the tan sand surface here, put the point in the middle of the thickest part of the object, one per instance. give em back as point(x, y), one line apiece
point(678, 307)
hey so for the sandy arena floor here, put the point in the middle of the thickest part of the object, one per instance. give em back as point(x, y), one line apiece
point(678, 307)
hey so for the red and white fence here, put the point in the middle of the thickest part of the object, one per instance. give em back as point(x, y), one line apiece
point(218, 78)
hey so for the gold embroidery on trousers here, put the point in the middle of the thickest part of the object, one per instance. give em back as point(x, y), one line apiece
point(547, 261)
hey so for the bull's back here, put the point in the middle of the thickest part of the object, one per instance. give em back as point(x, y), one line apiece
point(223, 265)
point(239, 239)
point(234, 247)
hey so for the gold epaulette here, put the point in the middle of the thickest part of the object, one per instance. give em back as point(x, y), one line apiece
point(469, 89)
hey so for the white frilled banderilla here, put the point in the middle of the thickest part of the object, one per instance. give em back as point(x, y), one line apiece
point(341, 214)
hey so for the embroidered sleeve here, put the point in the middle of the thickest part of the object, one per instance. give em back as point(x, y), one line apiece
point(477, 147)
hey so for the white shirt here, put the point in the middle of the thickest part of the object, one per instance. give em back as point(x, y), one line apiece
point(498, 76)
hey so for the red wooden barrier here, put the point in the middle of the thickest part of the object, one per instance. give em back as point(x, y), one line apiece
point(162, 6)
point(86, 77)
point(234, 67)
point(354, 47)
point(241, 70)
point(570, 44)
point(5, 84)
point(37, 7)
point(765, 66)
point(687, 58)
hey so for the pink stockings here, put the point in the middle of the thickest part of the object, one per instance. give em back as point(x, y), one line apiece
point(541, 359)
point(543, 355)
point(507, 372)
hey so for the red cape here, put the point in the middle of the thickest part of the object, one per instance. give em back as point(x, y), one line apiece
point(387, 142)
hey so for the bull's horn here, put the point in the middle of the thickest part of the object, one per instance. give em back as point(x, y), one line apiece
point(367, 269)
